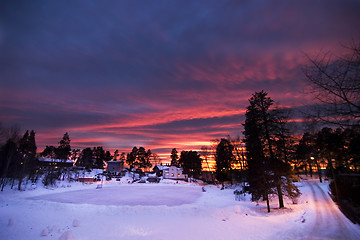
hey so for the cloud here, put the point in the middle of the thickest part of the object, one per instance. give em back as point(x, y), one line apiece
point(160, 73)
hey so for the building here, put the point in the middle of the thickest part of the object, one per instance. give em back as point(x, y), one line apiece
point(115, 167)
point(159, 169)
point(174, 172)
point(48, 163)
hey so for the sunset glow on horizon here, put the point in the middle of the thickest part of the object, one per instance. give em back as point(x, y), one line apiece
point(158, 74)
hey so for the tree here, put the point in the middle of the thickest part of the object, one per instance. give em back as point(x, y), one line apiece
point(238, 151)
point(49, 152)
point(116, 154)
point(335, 83)
point(122, 156)
point(353, 135)
point(131, 157)
point(9, 161)
point(190, 161)
point(224, 158)
point(174, 157)
point(99, 157)
point(266, 169)
point(143, 158)
point(155, 159)
point(283, 139)
point(75, 154)
point(139, 157)
point(206, 151)
point(86, 158)
point(63, 152)
point(258, 167)
point(108, 156)
point(10, 158)
point(148, 163)
point(27, 150)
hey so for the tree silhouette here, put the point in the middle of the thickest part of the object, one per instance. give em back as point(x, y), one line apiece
point(265, 169)
point(174, 157)
point(27, 150)
point(335, 83)
point(224, 158)
point(190, 161)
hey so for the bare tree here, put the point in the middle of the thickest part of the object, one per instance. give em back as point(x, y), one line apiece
point(335, 82)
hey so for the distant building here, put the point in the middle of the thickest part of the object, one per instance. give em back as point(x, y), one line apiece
point(174, 172)
point(49, 163)
point(159, 169)
point(115, 167)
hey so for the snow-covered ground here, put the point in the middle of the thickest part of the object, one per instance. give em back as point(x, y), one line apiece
point(167, 210)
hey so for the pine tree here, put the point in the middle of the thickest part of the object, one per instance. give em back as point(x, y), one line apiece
point(49, 152)
point(27, 150)
point(148, 156)
point(131, 158)
point(99, 156)
point(86, 158)
point(116, 154)
point(9, 161)
point(190, 161)
point(265, 167)
point(108, 156)
point(224, 158)
point(258, 172)
point(174, 157)
point(64, 150)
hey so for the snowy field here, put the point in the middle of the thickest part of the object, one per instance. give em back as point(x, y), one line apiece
point(167, 210)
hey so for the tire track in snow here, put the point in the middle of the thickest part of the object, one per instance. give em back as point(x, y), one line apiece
point(330, 223)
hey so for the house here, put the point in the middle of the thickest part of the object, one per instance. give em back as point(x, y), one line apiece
point(115, 167)
point(174, 172)
point(159, 169)
point(48, 163)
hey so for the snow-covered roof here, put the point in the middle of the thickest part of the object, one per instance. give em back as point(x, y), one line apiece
point(162, 167)
point(55, 160)
point(115, 162)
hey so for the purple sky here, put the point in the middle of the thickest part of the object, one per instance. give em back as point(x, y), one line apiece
point(158, 74)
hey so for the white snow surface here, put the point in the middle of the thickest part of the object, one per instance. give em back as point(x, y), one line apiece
point(168, 210)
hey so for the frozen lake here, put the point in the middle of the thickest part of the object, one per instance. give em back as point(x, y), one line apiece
point(130, 195)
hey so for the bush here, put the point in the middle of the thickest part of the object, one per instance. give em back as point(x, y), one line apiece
point(50, 178)
point(349, 189)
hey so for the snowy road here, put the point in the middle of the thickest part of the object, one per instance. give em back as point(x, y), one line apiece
point(329, 223)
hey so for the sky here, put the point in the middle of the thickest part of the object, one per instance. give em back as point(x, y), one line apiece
point(158, 74)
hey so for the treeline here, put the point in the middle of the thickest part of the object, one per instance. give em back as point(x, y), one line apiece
point(96, 157)
point(19, 160)
point(17, 157)
point(269, 154)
